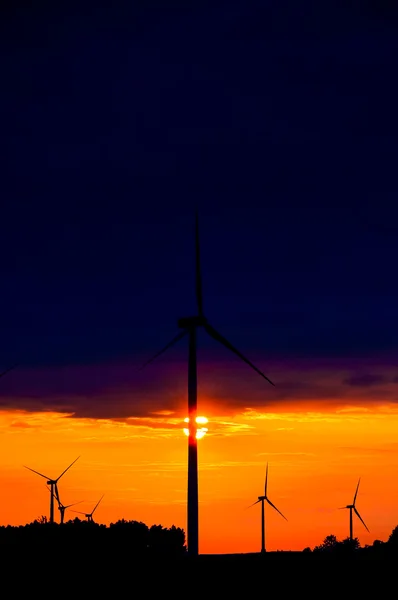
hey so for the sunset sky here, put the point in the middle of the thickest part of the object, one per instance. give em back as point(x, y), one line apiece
point(279, 126)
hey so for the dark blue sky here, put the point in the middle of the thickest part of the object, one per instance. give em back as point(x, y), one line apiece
point(278, 123)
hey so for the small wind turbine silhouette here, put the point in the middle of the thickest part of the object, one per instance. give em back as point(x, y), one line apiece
point(53, 486)
point(89, 516)
point(61, 507)
point(266, 499)
point(190, 325)
point(352, 507)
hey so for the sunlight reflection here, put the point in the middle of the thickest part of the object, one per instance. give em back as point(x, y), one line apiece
point(201, 431)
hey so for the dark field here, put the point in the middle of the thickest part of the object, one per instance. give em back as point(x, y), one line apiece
point(114, 572)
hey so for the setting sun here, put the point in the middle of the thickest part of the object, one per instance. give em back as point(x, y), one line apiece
point(201, 431)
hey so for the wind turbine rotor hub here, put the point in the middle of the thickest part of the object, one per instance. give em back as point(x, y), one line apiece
point(189, 322)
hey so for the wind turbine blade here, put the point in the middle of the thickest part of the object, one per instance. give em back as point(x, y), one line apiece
point(97, 504)
point(219, 338)
point(74, 504)
point(256, 502)
point(37, 473)
point(356, 491)
point(63, 472)
point(56, 494)
point(79, 512)
point(277, 509)
point(266, 481)
point(8, 370)
point(359, 517)
point(199, 296)
point(173, 341)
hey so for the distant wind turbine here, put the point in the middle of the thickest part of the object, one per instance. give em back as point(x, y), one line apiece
point(53, 486)
point(62, 507)
point(263, 499)
point(89, 516)
point(352, 507)
point(189, 326)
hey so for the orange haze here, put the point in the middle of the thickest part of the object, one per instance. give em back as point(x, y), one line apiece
point(315, 458)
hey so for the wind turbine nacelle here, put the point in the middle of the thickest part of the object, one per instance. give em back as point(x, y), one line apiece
point(189, 322)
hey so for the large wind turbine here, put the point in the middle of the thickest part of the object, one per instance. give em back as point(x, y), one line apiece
point(189, 326)
point(263, 499)
point(89, 516)
point(53, 487)
point(352, 507)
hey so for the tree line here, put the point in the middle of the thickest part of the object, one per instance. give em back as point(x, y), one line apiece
point(140, 539)
point(331, 545)
point(137, 537)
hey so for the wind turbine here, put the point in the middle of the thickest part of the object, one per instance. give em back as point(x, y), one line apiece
point(53, 487)
point(352, 507)
point(263, 499)
point(189, 326)
point(89, 516)
point(61, 507)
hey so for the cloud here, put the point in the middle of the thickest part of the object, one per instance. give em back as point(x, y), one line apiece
point(281, 454)
point(389, 448)
point(285, 429)
point(21, 425)
point(365, 380)
point(225, 388)
point(153, 423)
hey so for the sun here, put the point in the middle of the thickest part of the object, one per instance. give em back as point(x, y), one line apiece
point(201, 431)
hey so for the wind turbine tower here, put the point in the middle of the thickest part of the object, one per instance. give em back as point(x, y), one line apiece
point(62, 507)
point(189, 327)
point(352, 508)
point(53, 486)
point(89, 516)
point(263, 499)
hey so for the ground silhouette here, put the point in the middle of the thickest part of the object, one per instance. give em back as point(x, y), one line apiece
point(131, 557)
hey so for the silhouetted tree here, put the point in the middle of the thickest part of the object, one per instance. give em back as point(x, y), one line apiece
point(329, 543)
point(41, 520)
point(378, 547)
point(393, 539)
point(163, 540)
point(348, 545)
point(332, 545)
point(135, 533)
point(119, 541)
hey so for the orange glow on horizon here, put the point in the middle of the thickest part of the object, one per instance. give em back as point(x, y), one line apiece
point(315, 456)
